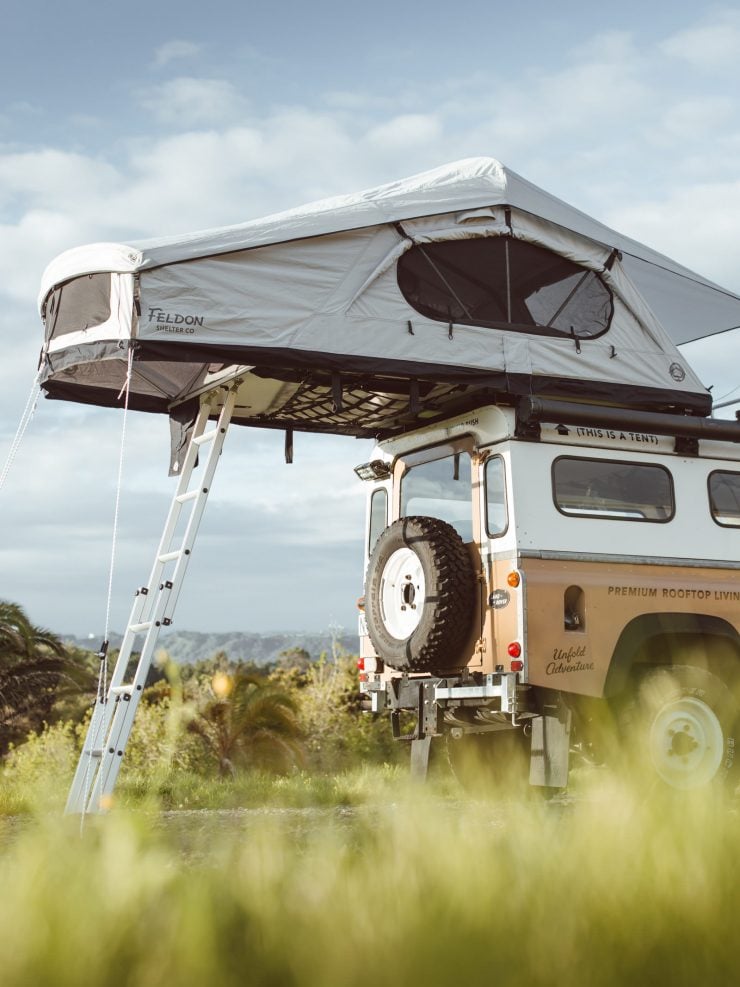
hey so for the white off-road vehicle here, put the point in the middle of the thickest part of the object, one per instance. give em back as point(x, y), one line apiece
point(530, 569)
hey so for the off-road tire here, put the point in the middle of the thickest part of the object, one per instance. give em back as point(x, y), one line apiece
point(437, 642)
point(679, 731)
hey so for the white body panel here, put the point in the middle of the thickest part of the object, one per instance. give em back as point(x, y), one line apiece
point(535, 523)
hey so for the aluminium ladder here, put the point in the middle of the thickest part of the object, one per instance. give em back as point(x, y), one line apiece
point(153, 607)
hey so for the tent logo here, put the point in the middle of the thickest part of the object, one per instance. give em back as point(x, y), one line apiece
point(677, 372)
point(173, 321)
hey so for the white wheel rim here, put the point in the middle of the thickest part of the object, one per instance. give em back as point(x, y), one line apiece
point(686, 743)
point(402, 591)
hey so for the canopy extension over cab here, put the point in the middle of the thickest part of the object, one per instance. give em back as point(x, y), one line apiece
point(369, 313)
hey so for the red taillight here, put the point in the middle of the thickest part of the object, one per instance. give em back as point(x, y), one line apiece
point(514, 649)
point(517, 666)
point(361, 664)
point(364, 677)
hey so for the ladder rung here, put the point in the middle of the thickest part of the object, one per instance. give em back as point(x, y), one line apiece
point(121, 690)
point(137, 628)
point(184, 497)
point(170, 556)
point(96, 752)
point(205, 437)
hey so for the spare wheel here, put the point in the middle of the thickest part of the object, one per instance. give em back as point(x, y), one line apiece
point(420, 596)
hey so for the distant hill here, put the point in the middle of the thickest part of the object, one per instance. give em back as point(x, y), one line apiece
point(190, 646)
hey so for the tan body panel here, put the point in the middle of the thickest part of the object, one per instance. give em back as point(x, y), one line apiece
point(505, 623)
point(578, 661)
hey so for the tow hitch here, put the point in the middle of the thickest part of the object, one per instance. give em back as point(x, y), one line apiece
point(474, 704)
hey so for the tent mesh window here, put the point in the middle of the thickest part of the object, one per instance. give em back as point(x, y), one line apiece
point(78, 304)
point(503, 283)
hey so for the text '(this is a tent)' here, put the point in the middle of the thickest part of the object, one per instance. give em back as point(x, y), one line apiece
point(367, 313)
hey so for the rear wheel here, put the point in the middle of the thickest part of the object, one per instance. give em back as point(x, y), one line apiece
point(680, 729)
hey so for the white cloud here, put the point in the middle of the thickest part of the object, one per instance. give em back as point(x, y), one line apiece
point(690, 119)
point(601, 90)
point(24, 108)
point(49, 177)
point(187, 101)
point(695, 223)
point(405, 131)
point(710, 46)
point(176, 50)
point(27, 246)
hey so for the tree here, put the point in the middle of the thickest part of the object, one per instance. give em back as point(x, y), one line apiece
point(36, 672)
point(294, 659)
point(339, 732)
point(246, 722)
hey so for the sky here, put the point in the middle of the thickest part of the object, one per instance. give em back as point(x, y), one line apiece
point(124, 122)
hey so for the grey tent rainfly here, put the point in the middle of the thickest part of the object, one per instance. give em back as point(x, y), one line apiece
point(367, 313)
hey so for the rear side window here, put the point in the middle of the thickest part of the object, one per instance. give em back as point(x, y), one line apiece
point(724, 498)
point(378, 516)
point(441, 488)
point(610, 489)
point(496, 515)
point(503, 283)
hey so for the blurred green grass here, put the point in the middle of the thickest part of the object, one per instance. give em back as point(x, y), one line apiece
point(364, 879)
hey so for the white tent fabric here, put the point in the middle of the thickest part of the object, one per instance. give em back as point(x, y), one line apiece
point(312, 300)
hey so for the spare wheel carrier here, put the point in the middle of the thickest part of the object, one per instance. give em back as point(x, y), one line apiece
point(420, 596)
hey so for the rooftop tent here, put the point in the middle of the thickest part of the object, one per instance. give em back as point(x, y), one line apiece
point(365, 313)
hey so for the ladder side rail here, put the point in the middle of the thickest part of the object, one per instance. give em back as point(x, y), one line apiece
point(173, 516)
point(199, 506)
point(99, 730)
point(88, 764)
point(121, 708)
point(147, 598)
point(124, 711)
point(96, 739)
point(125, 708)
point(143, 600)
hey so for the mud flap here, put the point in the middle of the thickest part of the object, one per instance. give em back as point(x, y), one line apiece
point(548, 766)
point(420, 749)
point(417, 695)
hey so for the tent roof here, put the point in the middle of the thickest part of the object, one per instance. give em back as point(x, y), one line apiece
point(689, 305)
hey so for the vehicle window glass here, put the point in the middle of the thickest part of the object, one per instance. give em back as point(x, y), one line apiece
point(378, 516)
point(724, 498)
point(503, 283)
point(496, 515)
point(441, 489)
point(609, 489)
